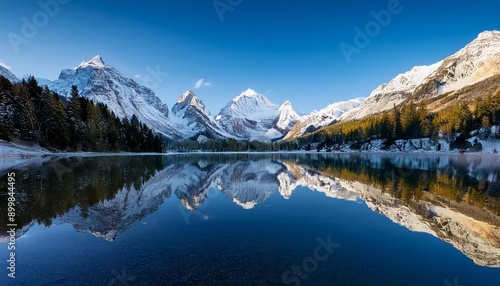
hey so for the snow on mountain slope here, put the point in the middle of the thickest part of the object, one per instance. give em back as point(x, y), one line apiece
point(251, 105)
point(477, 61)
point(287, 117)
point(191, 113)
point(385, 96)
point(251, 116)
point(7, 74)
point(125, 97)
point(325, 116)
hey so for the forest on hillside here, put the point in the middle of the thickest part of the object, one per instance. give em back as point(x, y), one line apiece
point(412, 121)
point(33, 113)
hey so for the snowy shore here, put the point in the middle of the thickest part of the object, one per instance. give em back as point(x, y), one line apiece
point(422, 145)
point(21, 153)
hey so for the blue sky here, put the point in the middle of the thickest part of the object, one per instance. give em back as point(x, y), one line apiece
point(287, 50)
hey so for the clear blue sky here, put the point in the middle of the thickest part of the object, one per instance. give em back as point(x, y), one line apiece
point(284, 49)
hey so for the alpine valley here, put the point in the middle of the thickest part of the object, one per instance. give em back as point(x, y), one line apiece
point(420, 103)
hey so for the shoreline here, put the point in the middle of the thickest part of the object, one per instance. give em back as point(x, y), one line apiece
point(21, 155)
point(24, 151)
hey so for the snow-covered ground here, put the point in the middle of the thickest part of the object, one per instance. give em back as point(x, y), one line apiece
point(422, 145)
point(19, 153)
point(16, 154)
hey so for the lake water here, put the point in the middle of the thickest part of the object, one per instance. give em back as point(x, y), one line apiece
point(255, 219)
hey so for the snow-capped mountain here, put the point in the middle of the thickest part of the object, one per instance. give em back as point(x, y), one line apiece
point(197, 121)
point(326, 116)
point(7, 74)
point(477, 61)
point(248, 116)
point(385, 96)
point(287, 117)
point(252, 116)
point(100, 82)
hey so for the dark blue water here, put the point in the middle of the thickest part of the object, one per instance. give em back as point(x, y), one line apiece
point(306, 239)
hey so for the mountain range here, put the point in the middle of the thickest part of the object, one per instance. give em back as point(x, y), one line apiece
point(252, 116)
point(440, 82)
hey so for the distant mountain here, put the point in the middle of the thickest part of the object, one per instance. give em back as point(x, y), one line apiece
point(252, 116)
point(287, 117)
point(196, 119)
point(249, 116)
point(326, 116)
point(476, 62)
point(125, 97)
point(7, 74)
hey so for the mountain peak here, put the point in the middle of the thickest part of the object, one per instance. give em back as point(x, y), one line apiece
point(286, 103)
point(286, 107)
point(287, 117)
point(186, 96)
point(96, 61)
point(247, 93)
point(187, 99)
point(488, 34)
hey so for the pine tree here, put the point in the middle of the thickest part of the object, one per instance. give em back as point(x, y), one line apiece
point(385, 126)
point(22, 113)
point(396, 123)
point(5, 84)
point(409, 121)
point(54, 128)
point(425, 129)
point(92, 118)
point(158, 145)
point(76, 117)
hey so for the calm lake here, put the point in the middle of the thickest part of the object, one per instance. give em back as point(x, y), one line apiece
point(255, 219)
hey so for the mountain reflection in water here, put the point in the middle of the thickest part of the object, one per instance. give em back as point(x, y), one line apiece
point(454, 198)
